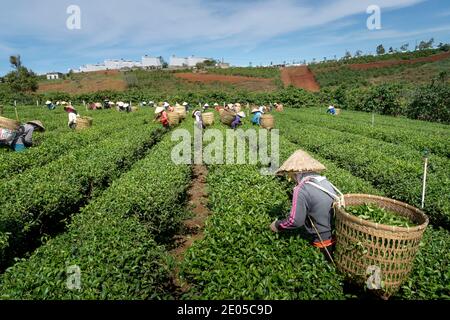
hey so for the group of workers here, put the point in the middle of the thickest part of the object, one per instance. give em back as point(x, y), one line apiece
point(22, 138)
point(161, 113)
point(313, 195)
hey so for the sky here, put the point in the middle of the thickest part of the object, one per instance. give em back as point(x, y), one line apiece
point(238, 31)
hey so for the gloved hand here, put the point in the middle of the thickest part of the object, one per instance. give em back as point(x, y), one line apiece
point(273, 227)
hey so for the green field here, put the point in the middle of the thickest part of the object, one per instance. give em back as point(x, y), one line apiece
point(111, 201)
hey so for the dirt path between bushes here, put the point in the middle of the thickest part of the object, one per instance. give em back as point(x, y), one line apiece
point(193, 227)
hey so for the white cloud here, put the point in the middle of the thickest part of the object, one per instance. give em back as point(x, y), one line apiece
point(115, 28)
point(156, 22)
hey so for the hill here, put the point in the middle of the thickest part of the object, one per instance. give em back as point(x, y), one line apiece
point(409, 68)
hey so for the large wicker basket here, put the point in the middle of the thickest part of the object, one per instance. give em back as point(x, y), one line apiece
point(84, 123)
point(364, 246)
point(174, 118)
point(9, 124)
point(181, 111)
point(267, 121)
point(208, 118)
point(227, 117)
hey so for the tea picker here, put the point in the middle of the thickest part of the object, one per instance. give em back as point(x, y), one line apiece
point(161, 116)
point(73, 115)
point(237, 120)
point(21, 137)
point(256, 116)
point(50, 105)
point(312, 203)
point(197, 114)
point(331, 110)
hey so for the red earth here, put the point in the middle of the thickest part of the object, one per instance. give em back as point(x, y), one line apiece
point(300, 77)
point(388, 63)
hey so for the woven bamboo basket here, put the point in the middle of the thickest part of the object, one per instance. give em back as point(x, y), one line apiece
point(267, 121)
point(134, 109)
point(181, 111)
point(174, 118)
point(208, 118)
point(280, 108)
point(227, 117)
point(84, 123)
point(338, 111)
point(9, 123)
point(363, 245)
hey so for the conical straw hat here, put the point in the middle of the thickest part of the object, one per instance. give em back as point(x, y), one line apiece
point(299, 162)
point(37, 123)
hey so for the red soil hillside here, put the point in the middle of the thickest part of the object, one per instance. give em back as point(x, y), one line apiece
point(300, 77)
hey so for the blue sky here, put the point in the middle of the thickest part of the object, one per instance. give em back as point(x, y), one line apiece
point(257, 31)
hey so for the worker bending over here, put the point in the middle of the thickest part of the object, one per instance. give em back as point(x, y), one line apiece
point(312, 202)
point(50, 105)
point(331, 110)
point(73, 115)
point(256, 116)
point(161, 116)
point(24, 136)
point(237, 120)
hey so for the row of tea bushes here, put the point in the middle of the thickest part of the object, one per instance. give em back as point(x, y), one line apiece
point(115, 240)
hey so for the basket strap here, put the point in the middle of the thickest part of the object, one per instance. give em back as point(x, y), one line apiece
point(339, 199)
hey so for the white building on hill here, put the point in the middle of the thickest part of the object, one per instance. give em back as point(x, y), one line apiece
point(115, 64)
point(188, 62)
point(54, 75)
point(152, 62)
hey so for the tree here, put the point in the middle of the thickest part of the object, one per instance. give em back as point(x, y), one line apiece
point(444, 46)
point(391, 50)
point(404, 47)
point(380, 50)
point(16, 62)
point(426, 44)
point(22, 79)
point(206, 63)
point(358, 53)
point(348, 55)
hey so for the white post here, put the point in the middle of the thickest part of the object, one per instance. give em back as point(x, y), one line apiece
point(424, 186)
point(37, 103)
point(15, 103)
